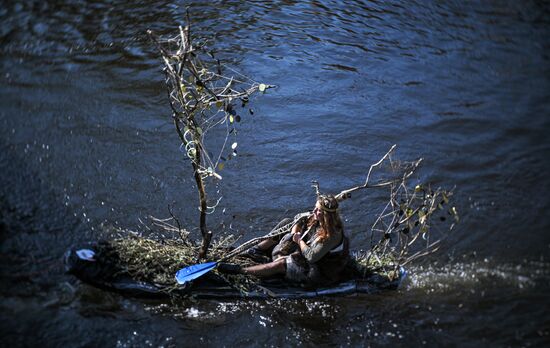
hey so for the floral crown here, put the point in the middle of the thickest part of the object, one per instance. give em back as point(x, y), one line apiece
point(327, 202)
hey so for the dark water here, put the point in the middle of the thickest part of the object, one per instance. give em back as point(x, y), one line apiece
point(87, 147)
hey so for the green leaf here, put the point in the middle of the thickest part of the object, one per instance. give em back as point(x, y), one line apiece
point(231, 119)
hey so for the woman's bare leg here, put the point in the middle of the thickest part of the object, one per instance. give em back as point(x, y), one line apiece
point(276, 267)
point(266, 244)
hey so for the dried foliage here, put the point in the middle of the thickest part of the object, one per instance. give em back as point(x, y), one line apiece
point(156, 262)
point(413, 221)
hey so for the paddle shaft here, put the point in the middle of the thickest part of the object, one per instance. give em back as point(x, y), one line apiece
point(274, 233)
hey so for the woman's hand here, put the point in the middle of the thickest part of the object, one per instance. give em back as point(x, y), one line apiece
point(296, 237)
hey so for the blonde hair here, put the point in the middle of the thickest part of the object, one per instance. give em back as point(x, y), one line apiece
point(330, 221)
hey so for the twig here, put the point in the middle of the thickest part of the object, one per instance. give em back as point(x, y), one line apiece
point(347, 193)
point(182, 236)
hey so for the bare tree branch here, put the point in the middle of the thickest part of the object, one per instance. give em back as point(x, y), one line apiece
point(408, 216)
point(347, 193)
point(200, 99)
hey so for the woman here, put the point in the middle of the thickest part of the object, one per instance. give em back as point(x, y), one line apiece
point(314, 252)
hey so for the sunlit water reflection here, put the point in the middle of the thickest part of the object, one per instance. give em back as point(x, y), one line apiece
point(86, 147)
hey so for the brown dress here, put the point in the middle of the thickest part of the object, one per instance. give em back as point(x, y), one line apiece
point(321, 263)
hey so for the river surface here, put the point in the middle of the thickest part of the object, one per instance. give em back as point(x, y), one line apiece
point(87, 148)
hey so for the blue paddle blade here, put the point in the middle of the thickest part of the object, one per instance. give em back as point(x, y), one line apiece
point(193, 272)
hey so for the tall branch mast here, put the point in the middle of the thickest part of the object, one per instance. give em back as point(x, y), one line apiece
point(201, 98)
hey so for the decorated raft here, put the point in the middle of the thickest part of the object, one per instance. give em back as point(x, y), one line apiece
point(146, 268)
